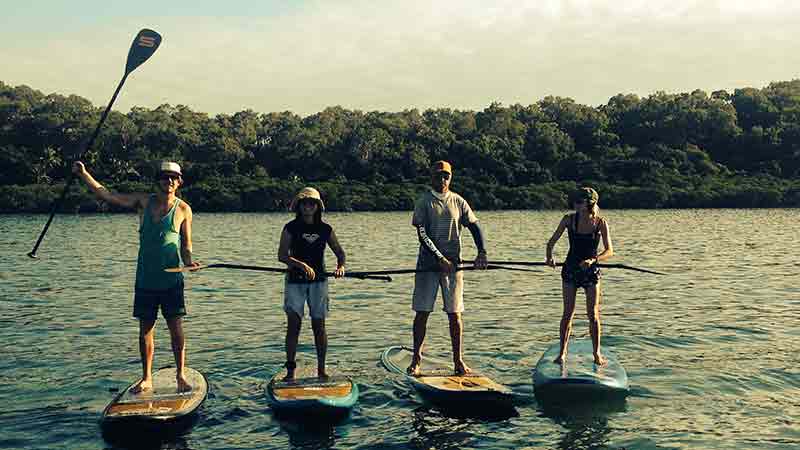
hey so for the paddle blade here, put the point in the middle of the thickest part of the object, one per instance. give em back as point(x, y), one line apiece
point(144, 45)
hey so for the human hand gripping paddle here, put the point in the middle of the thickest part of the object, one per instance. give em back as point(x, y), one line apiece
point(144, 45)
point(601, 265)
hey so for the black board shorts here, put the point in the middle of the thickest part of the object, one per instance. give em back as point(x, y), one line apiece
point(581, 278)
point(146, 303)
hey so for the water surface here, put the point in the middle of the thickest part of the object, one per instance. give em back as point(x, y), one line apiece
point(710, 349)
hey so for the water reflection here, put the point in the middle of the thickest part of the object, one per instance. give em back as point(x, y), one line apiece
point(146, 441)
point(435, 430)
point(309, 434)
point(308, 430)
point(586, 422)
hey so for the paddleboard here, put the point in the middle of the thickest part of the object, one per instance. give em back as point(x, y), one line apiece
point(162, 404)
point(438, 384)
point(309, 395)
point(579, 374)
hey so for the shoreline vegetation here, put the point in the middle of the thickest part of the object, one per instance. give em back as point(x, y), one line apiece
point(687, 150)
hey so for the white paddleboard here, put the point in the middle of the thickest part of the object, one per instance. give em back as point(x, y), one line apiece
point(438, 384)
point(579, 374)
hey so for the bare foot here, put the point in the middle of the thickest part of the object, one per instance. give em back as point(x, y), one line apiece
point(289, 376)
point(560, 359)
point(414, 369)
point(600, 360)
point(461, 368)
point(183, 385)
point(322, 375)
point(142, 385)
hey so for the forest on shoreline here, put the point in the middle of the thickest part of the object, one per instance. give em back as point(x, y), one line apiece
point(686, 150)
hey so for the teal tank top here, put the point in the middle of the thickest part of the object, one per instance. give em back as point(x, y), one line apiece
point(159, 248)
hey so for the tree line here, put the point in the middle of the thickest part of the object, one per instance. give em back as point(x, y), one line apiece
point(739, 149)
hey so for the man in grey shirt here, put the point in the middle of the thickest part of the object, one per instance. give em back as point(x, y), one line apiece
point(439, 217)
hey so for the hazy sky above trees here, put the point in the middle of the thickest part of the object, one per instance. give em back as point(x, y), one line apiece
point(223, 57)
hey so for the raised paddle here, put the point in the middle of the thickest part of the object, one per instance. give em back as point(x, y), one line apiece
point(605, 266)
point(359, 275)
point(144, 45)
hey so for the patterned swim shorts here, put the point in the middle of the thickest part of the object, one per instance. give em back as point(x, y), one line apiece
point(581, 278)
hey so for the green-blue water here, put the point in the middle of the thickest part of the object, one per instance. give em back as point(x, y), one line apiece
point(710, 349)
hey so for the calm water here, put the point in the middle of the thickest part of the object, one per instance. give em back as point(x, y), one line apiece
point(711, 349)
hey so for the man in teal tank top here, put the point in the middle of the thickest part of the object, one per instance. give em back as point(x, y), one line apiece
point(165, 239)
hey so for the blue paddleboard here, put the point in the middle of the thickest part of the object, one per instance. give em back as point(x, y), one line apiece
point(579, 375)
point(311, 396)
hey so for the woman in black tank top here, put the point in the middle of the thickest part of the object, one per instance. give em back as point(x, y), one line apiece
point(585, 229)
point(302, 247)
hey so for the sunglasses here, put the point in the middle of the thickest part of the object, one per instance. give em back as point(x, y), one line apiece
point(444, 175)
point(169, 176)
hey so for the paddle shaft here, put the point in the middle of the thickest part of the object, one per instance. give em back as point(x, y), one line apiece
point(436, 269)
point(601, 265)
point(359, 275)
point(142, 48)
point(375, 275)
point(70, 176)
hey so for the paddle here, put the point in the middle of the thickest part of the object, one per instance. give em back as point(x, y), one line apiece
point(436, 269)
point(144, 45)
point(359, 275)
point(605, 266)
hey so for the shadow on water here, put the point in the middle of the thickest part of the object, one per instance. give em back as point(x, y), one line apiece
point(448, 429)
point(148, 435)
point(585, 420)
point(432, 428)
point(308, 430)
point(436, 430)
point(309, 434)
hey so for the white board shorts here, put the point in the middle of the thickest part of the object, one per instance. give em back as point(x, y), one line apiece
point(296, 295)
point(426, 286)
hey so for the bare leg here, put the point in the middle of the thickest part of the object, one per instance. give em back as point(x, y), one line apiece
point(146, 349)
point(321, 342)
point(593, 313)
point(568, 291)
point(178, 340)
point(456, 340)
point(420, 326)
point(293, 322)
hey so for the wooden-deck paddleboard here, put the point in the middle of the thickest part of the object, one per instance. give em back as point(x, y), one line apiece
point(439, 385)
point(307, 394)
point(579, 374)
point(161, 404)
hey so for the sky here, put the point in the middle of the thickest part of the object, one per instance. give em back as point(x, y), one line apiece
point(303, 56)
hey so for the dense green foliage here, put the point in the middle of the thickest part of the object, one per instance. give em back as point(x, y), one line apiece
point(665, 150)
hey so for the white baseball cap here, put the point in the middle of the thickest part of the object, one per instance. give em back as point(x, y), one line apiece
point(168, 166)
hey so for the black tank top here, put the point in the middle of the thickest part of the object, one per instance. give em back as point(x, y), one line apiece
point(581, 245)
point(308, 245)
